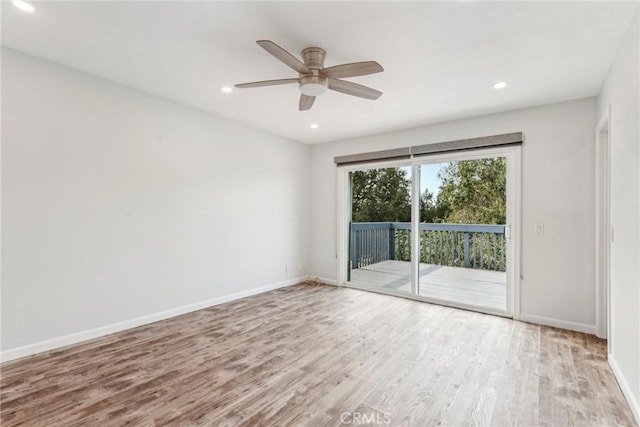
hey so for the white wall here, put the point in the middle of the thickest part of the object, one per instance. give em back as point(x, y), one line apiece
point(621, 92)
point(117, 204)
point(558, 176)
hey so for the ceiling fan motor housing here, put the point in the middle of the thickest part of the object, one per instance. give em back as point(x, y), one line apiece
point(313, 57)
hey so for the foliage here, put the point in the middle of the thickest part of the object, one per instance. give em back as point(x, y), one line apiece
point(430, 209)
point(472, 192)
point(381, 195)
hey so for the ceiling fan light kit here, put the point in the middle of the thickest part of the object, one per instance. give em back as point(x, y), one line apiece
point(313, 85)
point(314, 79)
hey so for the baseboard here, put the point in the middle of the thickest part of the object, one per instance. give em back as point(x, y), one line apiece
point(325, 280)
point(77, 337)
point(633, 402)
point(557, 323)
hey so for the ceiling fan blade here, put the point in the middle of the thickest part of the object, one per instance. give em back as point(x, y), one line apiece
point(305, 102)
point(353, 89)
point(354, 69)
point(266, 83)
point(284, 56)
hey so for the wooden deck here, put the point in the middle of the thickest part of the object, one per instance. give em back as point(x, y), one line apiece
point(455, 284)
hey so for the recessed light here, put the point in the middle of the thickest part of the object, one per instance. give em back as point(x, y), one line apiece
point(313, 126)
point(226, 89)
point(500, 85)
point(23, 5)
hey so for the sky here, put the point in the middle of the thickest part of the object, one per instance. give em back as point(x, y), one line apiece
point(428, 177)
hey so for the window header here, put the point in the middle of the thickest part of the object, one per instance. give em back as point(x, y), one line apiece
point(435, 148)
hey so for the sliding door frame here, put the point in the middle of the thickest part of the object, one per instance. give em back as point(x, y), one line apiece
point(513, 154)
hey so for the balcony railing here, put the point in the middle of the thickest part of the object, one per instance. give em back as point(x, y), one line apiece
point(477, 246)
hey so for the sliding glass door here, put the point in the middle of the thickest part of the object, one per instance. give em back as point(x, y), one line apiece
point(435, 228)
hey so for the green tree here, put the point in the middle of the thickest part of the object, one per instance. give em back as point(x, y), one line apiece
point(471, 192)
point(474, 191)
point(381, 195)
point(430, 210)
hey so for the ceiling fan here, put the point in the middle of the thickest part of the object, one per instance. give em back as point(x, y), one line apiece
point(314, 78)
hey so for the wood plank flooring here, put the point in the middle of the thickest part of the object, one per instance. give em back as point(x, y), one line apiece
point(481, 288)
point(306, 356)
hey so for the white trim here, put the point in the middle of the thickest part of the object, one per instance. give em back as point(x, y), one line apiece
point(514, 218)
point(342, 238)
point(602, 224)
point(634, 404)
point(415, 229)
point(558, 323)
point(77, 337)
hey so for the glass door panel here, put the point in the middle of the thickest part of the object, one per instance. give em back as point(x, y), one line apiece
point(380, 229)
point(462, 232)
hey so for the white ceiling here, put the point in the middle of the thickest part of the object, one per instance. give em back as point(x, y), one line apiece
point(440, 58)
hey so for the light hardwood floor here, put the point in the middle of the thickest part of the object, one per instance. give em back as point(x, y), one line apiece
point(306, 355)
